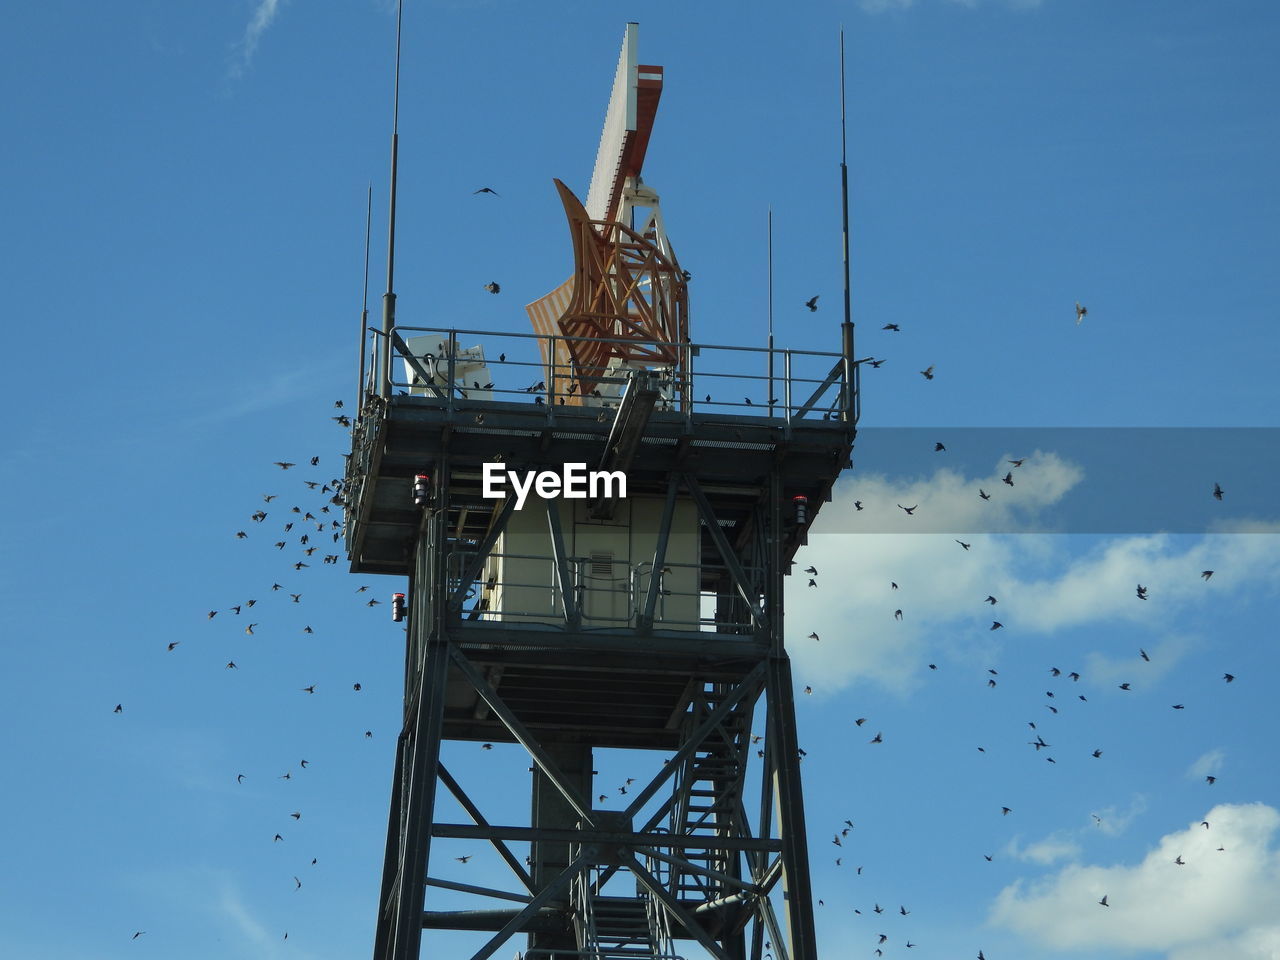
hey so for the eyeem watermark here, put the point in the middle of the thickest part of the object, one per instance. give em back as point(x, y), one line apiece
point(574, 482)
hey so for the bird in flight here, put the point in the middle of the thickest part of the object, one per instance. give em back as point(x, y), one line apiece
point(963, 544)
point(310, 689)
point(1019, 462)
point(239, 778)
point(1142, 653)
point(991, 600)
point(1124, 686)
point(996, 624)
point(939, 448)
point(878, 738)
point(119, 708)
point(1228, 677)
point(1217, 492)
point(284, 465)
point(137, 935)
point(909, 510)
point(1081, 312)
point(812, 304)
point(493, 287)
point(1008, 478)
point(1206, 574)
point(983, 494)
point(464, 859)
point(173, 643)
point(892, 326)
point(486, 190)
point(897, 614)
point(1103, 901)
point(1142, 595)
point(927, 373)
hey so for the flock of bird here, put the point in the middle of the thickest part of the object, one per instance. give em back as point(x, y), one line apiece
point(308, 527)
point(1038, 744)
point(305, 530)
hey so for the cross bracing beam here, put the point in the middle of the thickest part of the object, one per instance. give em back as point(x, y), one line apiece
point(833, 377)
point(742, 584)
point(677, 912)
point(474, 812)
point(547, 894)
point(522, 734)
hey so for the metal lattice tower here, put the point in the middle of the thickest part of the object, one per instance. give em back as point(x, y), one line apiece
point(652, 622)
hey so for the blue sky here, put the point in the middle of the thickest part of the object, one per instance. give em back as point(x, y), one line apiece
point(182, 253)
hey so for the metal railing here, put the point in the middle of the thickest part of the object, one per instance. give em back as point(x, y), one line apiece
point(770, 383)
point(524, 587)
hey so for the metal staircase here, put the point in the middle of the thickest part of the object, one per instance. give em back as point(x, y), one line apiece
point(708, 794)
point(616, 927)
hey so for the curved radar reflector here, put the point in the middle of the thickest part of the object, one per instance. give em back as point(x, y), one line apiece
point(626, 303)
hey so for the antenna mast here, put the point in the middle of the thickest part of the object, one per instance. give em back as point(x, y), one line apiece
point(364, 311)
point(770, 271)
point(846, 328)
point(389, 298)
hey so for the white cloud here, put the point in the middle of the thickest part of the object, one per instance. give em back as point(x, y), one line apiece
point(263, 15)
point(1165, 653)
point(948, 501)
point(1207, 764)
point(1047, 851)
point(1218, 903)
point(1113, 821)
point(1042, 585)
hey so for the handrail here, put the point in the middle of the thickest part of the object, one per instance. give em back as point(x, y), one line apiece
point(828, 380)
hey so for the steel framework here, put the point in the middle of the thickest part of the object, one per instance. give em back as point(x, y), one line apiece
point(698, 857)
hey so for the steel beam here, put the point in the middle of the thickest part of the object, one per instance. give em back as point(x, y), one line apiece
point(678, 913)
point(572, 614)
point(522, 734)
point(516, 924)
point(467, 831)
point(737, 575)
point(474, 813)
point(660, 554)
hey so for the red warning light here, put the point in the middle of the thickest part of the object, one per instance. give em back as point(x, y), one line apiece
point(802, 510)
point(421, 489)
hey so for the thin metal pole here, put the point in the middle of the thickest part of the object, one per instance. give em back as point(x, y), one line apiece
point(770, 272)
point(389, 298)
point(364, 312)
point(847, 327)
